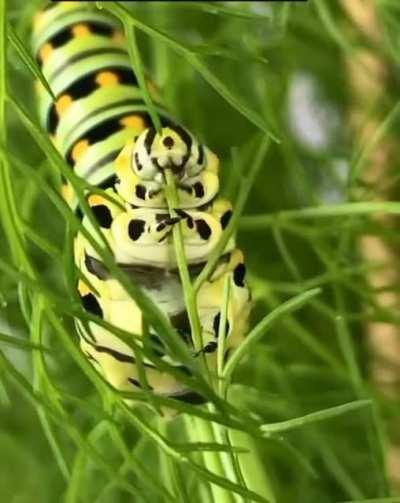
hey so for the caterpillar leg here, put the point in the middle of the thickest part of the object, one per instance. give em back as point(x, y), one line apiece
point(210, 303)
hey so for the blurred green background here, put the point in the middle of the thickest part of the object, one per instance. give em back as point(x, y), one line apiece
point(323, 77)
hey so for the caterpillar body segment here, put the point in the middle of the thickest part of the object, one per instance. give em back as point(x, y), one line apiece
point(140, 167)
point(142, 236)
point(100, 124)
point(116, 307)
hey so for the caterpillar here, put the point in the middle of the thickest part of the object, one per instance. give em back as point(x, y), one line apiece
point(100, 124)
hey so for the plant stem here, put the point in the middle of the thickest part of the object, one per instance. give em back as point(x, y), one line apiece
point(252, 468)
point(188, 290)
point(203, 432)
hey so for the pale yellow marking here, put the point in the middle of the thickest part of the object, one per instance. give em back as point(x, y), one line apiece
point(79, 149)
point(123, 161)
point(96, 199)
point(133, 121)
point(212, 162)
point(63, 103)
point(67, 192)
point(80, 30)
point(107, 79)
point(45, 51)
point(83, 289)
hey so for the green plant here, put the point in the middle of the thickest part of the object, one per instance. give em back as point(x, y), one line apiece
point(275, 428)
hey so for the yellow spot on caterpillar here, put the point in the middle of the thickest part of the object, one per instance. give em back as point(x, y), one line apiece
point(79, 149)
point(133, 121)
point(107, 79)
point(119, 37)
point(45, 51)
point(96, 199)
point(123, 161)
point(80, 30)
point(237, 256)
point(213, 163)
point(83, 289)
point(67, 192)
point(63, 103)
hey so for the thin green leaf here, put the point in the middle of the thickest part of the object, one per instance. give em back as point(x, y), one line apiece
point(206, 446)
point(245, 188)
point(19, 343)
point(259, 330)
point(321, 415)
point(27, 59)
point(234, 100)
point(253, 222)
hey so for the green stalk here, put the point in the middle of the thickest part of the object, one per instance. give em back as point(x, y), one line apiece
point(223, 464)
point(188, 290)
point(253, 470)
point(202, 431)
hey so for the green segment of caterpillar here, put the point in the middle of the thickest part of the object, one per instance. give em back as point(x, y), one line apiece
point(100, 124)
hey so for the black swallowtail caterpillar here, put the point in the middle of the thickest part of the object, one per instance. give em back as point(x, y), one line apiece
point(100, 124)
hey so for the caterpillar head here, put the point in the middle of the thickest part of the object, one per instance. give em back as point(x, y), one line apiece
point(172, 148)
